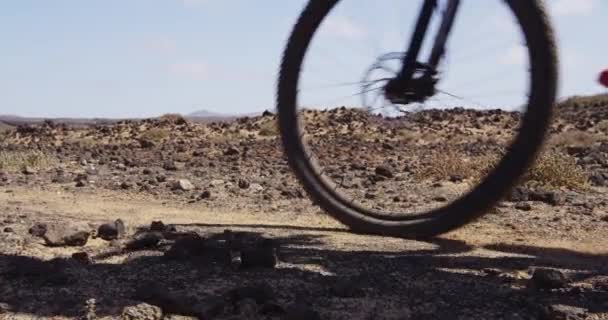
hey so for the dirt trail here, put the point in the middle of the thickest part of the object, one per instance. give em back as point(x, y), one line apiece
point(482, 271)
point(138, 210)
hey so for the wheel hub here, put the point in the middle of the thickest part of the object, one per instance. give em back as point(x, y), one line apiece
point(409, 91)
point(394, 90)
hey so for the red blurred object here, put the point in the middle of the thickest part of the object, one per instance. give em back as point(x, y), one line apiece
point(603, 79)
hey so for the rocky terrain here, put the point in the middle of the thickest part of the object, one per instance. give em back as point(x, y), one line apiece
point(165, 217)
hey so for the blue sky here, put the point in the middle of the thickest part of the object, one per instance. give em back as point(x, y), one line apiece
point(125, 58)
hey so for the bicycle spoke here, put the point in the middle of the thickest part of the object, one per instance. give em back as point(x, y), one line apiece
point(353, 95)
point(463, 99)
point(344, 84)
point(478, 78)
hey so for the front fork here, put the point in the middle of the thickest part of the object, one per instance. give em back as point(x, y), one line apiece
point(403, 80)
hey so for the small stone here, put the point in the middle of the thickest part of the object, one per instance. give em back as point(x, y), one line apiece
point(563, 312)
point(157, 226)
point(148, 240)
point(38, 230)
point(544, 278)
point(387, 146)
point(187, 247)
point(291, 193)
point(519, 194)
point(82, 257)
point(91, 171)
point(369, 195)
point(231, 151)
point(357, 166)
point(217, 183)
point(170, 166)
point(60, 177)
point(552, 198)
point(112, 230)
point(27, 170)
point(440, 199)
point(256, 187)
point(243, 184)
point(205, 195)
point(146, 143)
point(456, 178)
point(126, 185)
point(82, 176)
point(8, 230)
point(384, 171)
point(599, 179)
point(67, 234)
point(142, 311)
point(81, 183)
point(182, 184)
point(524, 206)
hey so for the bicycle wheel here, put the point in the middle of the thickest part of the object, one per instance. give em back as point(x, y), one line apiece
point(376, 198)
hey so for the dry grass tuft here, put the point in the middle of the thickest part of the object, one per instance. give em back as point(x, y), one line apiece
point(269, 129)
point(602, 127)
point(82, 141)
point(155, 134)
point(555, 169)
point(574, 138)
point(19, 160)
point(173, 118)
point(414, 137)
point(443, 164)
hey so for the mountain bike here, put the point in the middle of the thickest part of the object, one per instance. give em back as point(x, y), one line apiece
point(414, 82)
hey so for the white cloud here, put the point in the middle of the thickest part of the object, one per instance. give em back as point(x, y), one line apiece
point(343, 27)
point(568, 8)
point(191, 69)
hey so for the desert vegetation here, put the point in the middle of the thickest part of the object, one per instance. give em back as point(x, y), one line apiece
point(176, 218)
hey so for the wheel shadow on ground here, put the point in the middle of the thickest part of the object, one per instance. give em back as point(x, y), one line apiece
point(447, 282)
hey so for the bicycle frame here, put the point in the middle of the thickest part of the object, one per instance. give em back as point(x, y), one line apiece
point(410, 59)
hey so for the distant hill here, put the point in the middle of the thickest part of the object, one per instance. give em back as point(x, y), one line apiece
point(209, 116)
point(206, 114)
point(589, 100)
point(4, 126)
point(13, 120)
point(197, 116)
